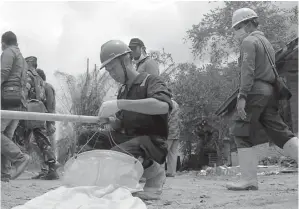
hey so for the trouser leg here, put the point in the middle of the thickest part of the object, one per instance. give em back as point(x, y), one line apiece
point(44, 145)
point(172, 156)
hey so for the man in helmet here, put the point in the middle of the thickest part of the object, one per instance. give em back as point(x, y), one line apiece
point(36, 131)
point(142, 106)
point(257, 101)
point(143, 62)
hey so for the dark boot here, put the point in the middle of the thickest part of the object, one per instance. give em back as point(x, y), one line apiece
point(52, 173)
point(41, 174)
point(5, 177)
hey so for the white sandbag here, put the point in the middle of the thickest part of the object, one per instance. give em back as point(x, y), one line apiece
point(87, 197)
point(103, 168)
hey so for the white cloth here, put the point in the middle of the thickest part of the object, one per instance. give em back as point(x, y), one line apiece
point(108, 108)
point(85, 197)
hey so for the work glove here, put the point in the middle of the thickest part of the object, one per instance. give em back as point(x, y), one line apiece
point(108, 108)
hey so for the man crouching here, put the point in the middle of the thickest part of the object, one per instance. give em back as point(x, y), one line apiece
point(140, 127)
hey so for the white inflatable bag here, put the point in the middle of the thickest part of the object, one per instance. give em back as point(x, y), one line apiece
point(103, 168)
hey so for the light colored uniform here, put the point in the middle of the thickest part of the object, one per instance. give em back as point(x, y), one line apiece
point(173, 139)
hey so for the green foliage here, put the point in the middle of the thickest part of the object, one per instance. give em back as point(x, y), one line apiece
point(213, 34)
point(81, 96)
point(199, 92)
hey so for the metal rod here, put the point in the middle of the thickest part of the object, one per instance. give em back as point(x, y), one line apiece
point(19, 115)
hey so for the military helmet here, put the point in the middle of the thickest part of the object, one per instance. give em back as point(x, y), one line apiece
point(242, 15)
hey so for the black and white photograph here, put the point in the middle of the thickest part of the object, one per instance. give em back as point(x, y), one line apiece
point(149, 104)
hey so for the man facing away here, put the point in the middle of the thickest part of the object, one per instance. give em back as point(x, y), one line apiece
point(257, 100)
point(13, 71)
point(140, 128)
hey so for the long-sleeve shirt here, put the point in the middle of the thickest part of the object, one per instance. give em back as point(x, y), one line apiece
point(256, 71)
point(12, 64)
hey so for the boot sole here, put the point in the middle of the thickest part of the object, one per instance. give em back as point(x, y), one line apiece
point(145, 196)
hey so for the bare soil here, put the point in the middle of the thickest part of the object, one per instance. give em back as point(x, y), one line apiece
point(185, 191)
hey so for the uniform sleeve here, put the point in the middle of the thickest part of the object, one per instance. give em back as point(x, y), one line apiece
point(247, 66)
point(157, 89)
point(152, 67)
point(7, 59)
point(174, 122)
point(50, 101)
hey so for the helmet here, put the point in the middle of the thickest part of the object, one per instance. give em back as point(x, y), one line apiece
point(241, 15)
point(111, 50)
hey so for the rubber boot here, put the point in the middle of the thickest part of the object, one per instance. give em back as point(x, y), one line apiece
point(248, 165)
point(291, 148)
point(20, 166)
point(155, 179)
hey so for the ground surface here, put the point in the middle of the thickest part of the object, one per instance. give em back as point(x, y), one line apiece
point(185, 191)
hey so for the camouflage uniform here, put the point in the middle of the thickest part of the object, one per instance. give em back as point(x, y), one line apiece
point(39, 131)
point(173, 139)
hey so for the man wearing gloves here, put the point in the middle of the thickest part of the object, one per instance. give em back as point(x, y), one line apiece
point(143, 62)
point(140, 128)
point(257, 99)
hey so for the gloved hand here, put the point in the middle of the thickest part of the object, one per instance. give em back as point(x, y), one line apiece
point(108, 108)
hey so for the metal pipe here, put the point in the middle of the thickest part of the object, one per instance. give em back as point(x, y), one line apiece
point(19, 115)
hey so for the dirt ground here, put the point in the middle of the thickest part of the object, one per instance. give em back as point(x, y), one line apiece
point(185, 191)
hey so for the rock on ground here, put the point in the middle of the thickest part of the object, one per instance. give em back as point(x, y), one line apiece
point(185, 191)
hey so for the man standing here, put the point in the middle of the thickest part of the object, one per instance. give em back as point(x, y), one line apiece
point(13, 97)
point(50, 125)
point(143, 62)
point(140, 128)
point(37, 129)
point(173, 139)
point(257, 100)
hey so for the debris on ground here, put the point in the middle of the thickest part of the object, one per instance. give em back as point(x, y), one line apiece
point(184, 191)
point(235, 170)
